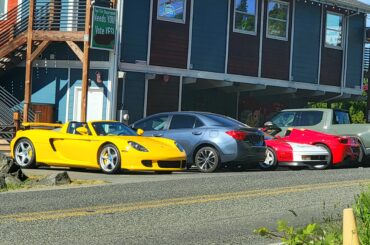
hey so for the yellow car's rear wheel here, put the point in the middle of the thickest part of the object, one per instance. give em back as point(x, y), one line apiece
point(109, 159)
point(24, 154)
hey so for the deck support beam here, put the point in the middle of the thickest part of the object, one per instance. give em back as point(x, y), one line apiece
point(85, 63)
point(27, 82)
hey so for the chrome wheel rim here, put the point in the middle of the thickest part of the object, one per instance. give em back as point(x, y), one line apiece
point(108, 159)
point(270, 158)
point(23, 153)
point(206, 159)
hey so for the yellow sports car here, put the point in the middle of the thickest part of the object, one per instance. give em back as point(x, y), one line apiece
point(108, 145)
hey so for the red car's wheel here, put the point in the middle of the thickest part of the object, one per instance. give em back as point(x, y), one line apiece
point(328, 163)
point(270, 162)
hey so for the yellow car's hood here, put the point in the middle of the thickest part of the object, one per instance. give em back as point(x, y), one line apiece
point(153, 144)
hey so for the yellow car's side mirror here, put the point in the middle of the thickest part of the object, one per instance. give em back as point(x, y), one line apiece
point(140, 132)
point(82, 130)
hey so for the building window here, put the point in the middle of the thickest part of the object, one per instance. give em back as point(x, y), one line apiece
point(171, 10)
point(278, 20)
point(333, 31)
point(245, 16)
point(3, 9)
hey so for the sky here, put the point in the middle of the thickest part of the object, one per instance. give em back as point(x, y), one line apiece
point(368, 18)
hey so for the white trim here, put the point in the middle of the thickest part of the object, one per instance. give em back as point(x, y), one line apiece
point(5, 16)
point(342, 31)
point(254, 33)
point(227, 35)
point(67, 94)
point(117, 59)
point(141, 68)
point(180, 93)
point(345, 51)
point(286, 38)
point(190, 33)
point(149, 32)
point(70, 64)
point(261, 39)
point(183, 21)
point(291, 78)
point(321, 44)
point(145, 96)
point(363, 55)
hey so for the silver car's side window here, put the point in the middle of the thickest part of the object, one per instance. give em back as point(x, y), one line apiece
point(153, 124)
point(182, 122)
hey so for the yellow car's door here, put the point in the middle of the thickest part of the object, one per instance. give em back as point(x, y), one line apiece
point(77, 150)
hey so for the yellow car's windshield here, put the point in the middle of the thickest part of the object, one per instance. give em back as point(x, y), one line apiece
point(112, 128)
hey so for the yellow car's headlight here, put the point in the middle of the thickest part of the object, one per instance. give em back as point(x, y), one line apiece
point(137, 146)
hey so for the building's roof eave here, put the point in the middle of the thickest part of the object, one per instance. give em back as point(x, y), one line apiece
point(354, 5)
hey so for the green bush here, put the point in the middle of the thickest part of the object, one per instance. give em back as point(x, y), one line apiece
point(310, 234)
point(362, 212)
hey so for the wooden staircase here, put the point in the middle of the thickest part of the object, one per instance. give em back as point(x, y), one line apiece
point(4, 147)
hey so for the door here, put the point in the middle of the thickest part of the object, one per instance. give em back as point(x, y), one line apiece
point(95, 99)
point(153, 126)
point(75, 149)
point(186, 130)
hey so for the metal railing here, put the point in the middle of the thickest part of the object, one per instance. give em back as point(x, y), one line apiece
point(14, 22)
point(8, 105)
point(59, 15)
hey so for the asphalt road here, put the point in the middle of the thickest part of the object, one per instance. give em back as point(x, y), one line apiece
point(181, 208)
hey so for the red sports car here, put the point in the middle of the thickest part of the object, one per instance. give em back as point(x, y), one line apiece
point(341, 149)
point(281, 152)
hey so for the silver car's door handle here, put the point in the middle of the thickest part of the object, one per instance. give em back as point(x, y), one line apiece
point(197, 133)
point(157, 135)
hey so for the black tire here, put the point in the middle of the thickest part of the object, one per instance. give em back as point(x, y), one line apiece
point(329, 161)
point(207, 159)
point(270, 162)
point(25, 154)
point(109, 159)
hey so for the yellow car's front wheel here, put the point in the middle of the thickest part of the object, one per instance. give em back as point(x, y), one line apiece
point(24, 154)
point(109, 159)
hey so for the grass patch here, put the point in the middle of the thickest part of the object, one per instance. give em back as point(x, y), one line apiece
point(329, 231)
point(28, 184)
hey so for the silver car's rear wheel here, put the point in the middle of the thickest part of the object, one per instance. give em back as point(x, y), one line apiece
point(24, 154)
point(207, 159)
point(270, 162)
point(109, 159)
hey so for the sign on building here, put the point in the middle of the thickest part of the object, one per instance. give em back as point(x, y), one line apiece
point(103, 28)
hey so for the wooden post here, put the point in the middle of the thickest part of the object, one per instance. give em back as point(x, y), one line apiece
point(350, 236)
point(85, 63)
point(27, 83)
point(16, 120)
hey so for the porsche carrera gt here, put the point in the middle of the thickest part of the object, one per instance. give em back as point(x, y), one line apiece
point(106, 145)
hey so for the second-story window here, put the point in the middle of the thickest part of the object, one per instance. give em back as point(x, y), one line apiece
point(171, 10)
point(245, 16)
point(333, 31)
point(3, 9)
point(278, 19)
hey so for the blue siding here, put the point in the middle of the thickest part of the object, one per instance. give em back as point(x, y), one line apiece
point(134, 95)
point(355, 50)
point(76, 81)
point(209, 35)
point(49, 86)
point(135, 28)
point(307, 28)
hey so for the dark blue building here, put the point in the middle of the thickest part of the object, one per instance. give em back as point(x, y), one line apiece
point(242, 58)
